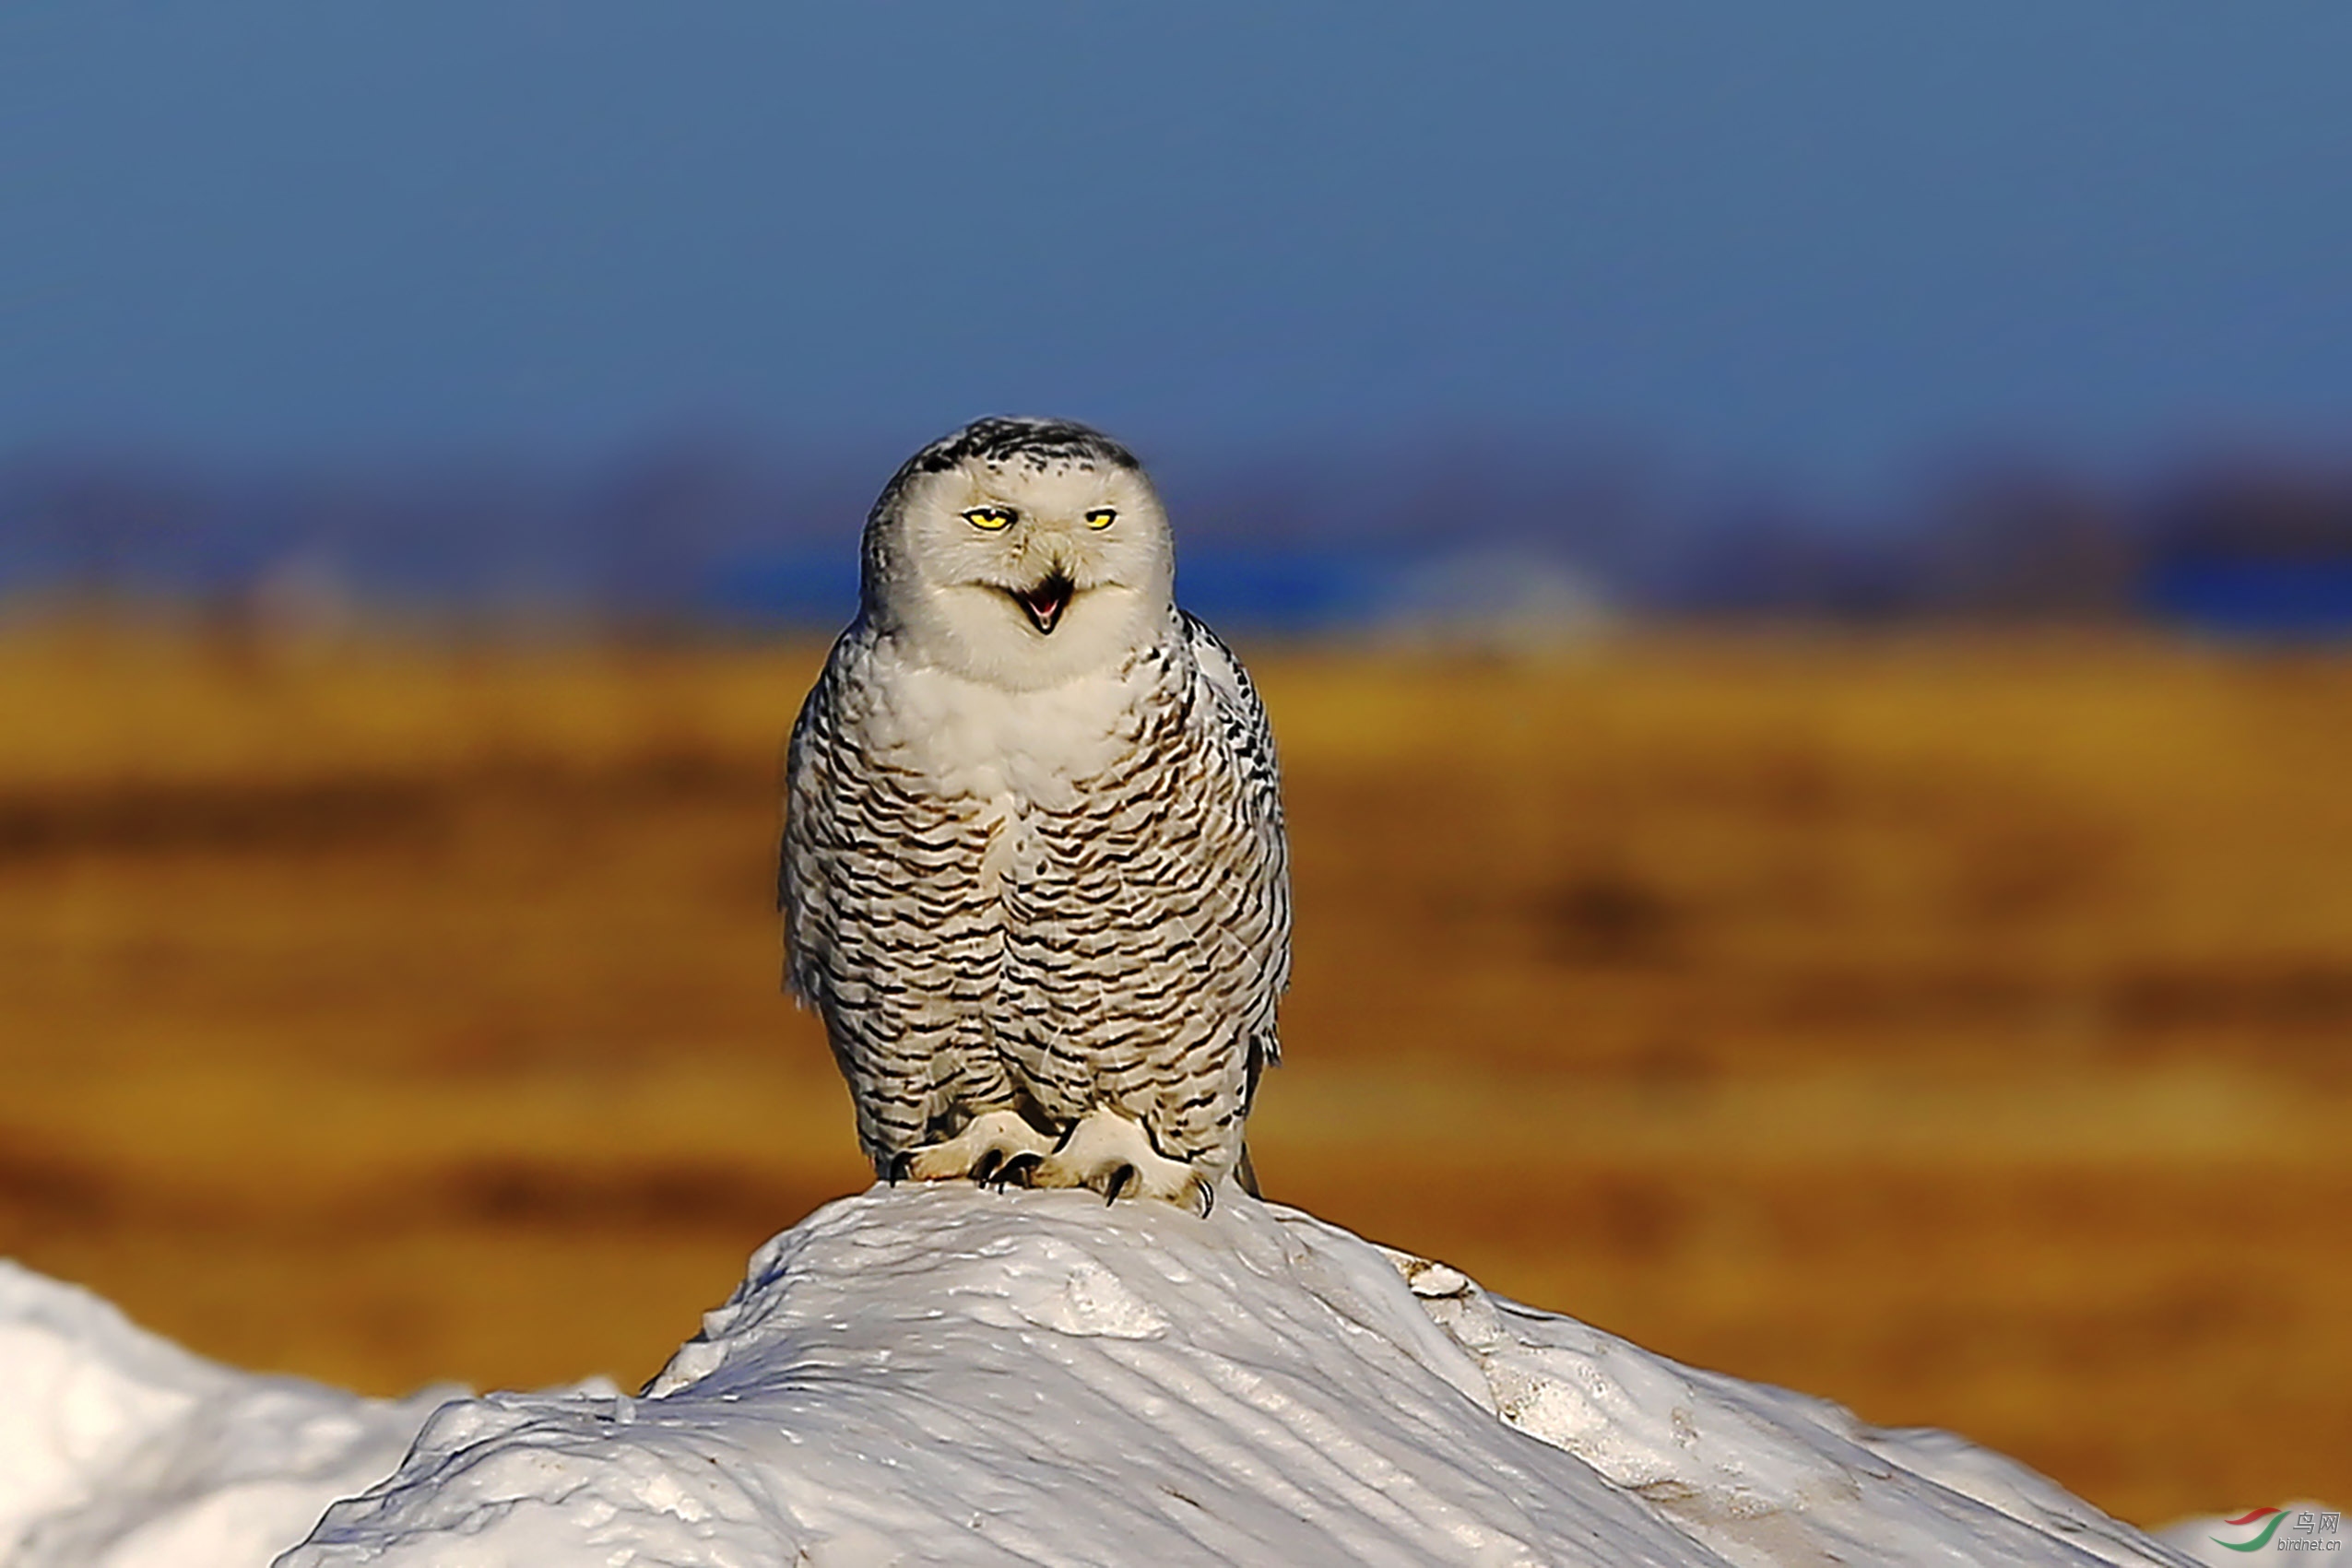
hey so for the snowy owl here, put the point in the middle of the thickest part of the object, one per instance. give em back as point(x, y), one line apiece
point(1034, 875)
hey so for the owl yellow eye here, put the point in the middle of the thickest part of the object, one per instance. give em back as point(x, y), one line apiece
point(1101, 517)
point(991, 517)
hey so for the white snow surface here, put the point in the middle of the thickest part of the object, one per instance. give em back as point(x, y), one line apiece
point(946, 1374)
point(120, 1450)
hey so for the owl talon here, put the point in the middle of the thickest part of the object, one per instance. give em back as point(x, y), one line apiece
point(1111, 1155)
point(1016, 1170)
point(988, 1143)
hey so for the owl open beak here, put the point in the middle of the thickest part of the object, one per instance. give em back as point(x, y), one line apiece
point(1045, 602)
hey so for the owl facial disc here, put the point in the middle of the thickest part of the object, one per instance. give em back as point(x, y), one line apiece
point(1044, 602)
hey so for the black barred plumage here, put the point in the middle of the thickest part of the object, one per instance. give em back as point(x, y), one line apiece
point(1037, 870)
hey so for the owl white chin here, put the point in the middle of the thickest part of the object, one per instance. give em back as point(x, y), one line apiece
point(984, 633)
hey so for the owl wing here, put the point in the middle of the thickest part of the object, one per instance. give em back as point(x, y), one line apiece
point(1248, 739)
point(867, 942)
point(808, 826)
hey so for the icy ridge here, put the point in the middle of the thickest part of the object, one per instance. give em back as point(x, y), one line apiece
point(946, 1374)
point(120, 1450)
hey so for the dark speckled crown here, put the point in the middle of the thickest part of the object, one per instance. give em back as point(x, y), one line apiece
point(1039, 444)
point(999, 439)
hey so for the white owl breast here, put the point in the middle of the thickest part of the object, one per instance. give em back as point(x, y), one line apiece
point(1005, 747)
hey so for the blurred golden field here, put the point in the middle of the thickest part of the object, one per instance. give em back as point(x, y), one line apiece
point(1958, 1028)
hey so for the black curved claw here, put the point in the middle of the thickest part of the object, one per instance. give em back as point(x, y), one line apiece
point(1208, 1198)
point(1117, 1184)
point(1067, 1134)
point(900, 1164)
point(1017, 1169)
point(985, 1166)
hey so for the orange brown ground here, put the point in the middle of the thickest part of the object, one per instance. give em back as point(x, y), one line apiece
point(1960, 1029)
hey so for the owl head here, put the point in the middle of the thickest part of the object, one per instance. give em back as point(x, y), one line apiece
point(1020, 552)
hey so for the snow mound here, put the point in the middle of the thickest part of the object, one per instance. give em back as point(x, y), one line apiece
point(951, 1375)
point(119, 1450)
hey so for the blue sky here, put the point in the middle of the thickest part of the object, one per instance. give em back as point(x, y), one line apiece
point(1819, 243)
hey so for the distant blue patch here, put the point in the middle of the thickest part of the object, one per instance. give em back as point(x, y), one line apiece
point(1286, 590)
point(2309, 598)
point(808, 589)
